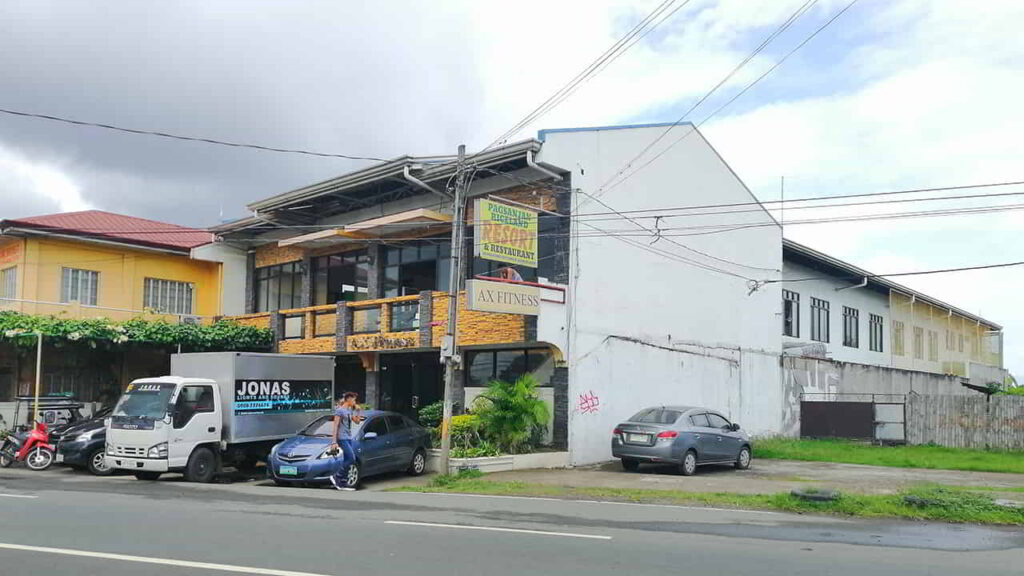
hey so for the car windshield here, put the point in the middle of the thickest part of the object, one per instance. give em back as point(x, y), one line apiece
point(320, 427)
point(656, 416)
point(148, 400)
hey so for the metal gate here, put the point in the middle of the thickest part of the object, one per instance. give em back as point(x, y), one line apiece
point(876, 417)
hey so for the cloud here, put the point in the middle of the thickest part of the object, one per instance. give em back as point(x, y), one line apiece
point(34, 188)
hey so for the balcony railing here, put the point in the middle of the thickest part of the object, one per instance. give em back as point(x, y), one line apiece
point(405, 322)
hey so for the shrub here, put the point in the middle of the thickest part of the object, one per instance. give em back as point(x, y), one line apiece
point(429, 416)
point(513, 415)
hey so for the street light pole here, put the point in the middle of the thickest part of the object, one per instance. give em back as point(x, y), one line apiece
point(39, 375)
point(448, 351)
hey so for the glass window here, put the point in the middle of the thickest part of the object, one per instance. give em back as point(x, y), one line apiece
point(641, 415)
point(819, 320)
point(405, 316)
point(876, 326)
point(657, 416)
point(278, 287)
point(377, 425)
point(509, 365)
point(168, 296)
point(192, 400)
point(716, 421)
point(9, 282)
point(79, 286)
point(341, 277)
point(851, 327)
point(322, 427)
point(918, 342)
point(790, 314)
point(295, 326)
point(898, 338)
point(700, 420)
point(481, 369)
point(395, 422)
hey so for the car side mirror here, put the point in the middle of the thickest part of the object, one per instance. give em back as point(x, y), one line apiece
point(369, 436)
point(734, 427)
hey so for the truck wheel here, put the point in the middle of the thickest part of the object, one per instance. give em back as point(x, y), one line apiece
point(97, 463)
point(148, 476)
point(202, 466)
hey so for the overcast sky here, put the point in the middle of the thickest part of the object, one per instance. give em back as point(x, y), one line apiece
point(895, 94)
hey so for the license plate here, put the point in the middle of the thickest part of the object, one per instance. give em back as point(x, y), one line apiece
point(645, 438)
point(288, 471)
point(59, 458)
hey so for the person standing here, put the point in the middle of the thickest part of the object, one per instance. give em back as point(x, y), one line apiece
point(345, 416)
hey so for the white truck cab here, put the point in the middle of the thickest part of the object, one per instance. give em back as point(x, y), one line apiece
point(219, 408)
point(159, 424)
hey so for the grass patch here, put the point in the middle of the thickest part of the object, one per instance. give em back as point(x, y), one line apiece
point(850, 452)
point(926, 503)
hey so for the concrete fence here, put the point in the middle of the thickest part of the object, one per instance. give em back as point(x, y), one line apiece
point(966, 421)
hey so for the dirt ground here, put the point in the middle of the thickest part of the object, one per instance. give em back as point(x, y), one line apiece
point(764, 476)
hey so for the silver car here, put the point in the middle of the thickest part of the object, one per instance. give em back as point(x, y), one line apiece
point(682, 435)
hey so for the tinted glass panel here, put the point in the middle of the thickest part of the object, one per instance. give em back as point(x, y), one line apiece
point(657, 416)
point(376, 425)
point(700, 420)
point(717, 421)
point(396, 422)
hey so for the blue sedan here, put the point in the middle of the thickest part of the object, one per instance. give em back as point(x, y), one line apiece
point(384, 442)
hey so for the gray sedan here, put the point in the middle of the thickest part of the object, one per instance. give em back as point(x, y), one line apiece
point(682, 435)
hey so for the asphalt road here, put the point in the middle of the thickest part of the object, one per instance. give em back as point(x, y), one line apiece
point(63, 523)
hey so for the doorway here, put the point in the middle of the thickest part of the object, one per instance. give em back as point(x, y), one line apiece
point(349, 376)
point(410, 381)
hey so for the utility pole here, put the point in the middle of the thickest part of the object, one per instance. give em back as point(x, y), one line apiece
point(449, 353)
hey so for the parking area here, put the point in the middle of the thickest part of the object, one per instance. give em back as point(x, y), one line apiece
point(767, 476)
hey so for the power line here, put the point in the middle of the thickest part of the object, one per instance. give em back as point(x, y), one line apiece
point(827, 23)
point(764, 43)
point(900, 274)
point(612, 53)
point(188, 138)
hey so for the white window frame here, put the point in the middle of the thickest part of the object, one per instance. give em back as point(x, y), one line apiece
point(169, 296)
point(76, 281)
point(9, 282)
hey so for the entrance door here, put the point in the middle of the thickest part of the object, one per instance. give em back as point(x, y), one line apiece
point(349, 376)
point(410, 381)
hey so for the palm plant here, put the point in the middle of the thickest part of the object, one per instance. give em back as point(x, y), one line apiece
point(512, 414)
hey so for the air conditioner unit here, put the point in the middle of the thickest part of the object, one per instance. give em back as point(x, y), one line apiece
point(186, 319)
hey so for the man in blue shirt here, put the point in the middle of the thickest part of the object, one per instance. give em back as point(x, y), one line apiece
point(346, 415)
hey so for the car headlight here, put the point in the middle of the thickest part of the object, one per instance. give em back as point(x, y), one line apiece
point(324, 455)
point(158, 451)
point(86, 436)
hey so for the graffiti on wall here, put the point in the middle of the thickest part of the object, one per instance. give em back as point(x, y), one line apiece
point(588, 403)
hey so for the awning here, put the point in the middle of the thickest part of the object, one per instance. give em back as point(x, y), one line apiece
point(411, 223)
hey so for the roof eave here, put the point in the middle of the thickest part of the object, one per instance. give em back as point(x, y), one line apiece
point(23, 230)
point(855, 271)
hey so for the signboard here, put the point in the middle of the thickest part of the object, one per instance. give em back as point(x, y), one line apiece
point(277, 396)
point(381, 342)
point(503, 298)
point(505, 233)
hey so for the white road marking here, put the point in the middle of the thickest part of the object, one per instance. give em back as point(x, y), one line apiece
point(161, 561)
point(18, 496)
point(570, 501)
point(496, 529)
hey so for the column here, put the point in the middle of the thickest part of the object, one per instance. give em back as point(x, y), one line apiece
point(560, 383)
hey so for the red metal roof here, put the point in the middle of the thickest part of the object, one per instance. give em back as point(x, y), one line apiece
point(115, 227)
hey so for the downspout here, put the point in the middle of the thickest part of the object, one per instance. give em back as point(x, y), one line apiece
point(862, 284)
point(422, 184)
point(538, 167)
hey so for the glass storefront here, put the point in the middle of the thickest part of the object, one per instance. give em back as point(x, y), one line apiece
point(508, 365)
point(416, 266)
point(341, 277)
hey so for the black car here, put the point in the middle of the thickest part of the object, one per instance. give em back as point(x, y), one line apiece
point(82, 446)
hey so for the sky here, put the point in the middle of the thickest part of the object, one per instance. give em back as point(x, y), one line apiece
point(895, 94)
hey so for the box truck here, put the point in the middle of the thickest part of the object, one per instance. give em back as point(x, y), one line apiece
point(216, 409)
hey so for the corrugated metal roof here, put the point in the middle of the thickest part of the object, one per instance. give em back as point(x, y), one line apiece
point(101, 225)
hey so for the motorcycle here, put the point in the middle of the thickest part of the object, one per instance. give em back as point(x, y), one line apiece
point(33, 448)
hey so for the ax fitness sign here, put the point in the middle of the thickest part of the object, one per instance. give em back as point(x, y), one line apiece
point(502, 297)
point(505, 233)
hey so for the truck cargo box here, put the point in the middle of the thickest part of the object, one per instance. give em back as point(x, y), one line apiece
point(265, 396)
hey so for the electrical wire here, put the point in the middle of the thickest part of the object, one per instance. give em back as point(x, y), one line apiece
point(612, 53)
point(900, 274)
point(764, 44)
point(606, 187)
point(187, 138)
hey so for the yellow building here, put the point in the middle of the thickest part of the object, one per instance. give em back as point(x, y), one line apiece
point(98, 264)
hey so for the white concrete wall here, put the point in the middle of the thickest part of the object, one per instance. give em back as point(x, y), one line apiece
point(233, 268)
point(865, 300)
point(647, 328)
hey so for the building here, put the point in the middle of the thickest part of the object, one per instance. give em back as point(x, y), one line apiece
point(96, 264)
point(835, 310)
point(631, 313)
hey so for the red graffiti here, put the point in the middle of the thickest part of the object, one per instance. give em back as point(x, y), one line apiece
point(589, 403)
